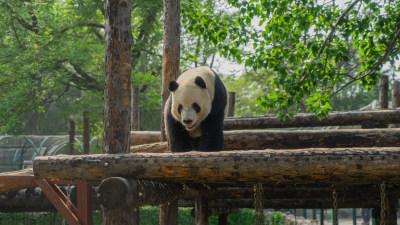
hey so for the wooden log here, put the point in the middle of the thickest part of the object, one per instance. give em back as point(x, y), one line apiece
point(339, 166)
point(118, 192)
point(360, 192)
point(16, 180)
point(287, 203)
point(311, 120)
point(292, 139)
point(157, 147)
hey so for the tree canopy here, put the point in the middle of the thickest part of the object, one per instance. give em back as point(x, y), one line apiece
point(52, 60)
point(316, 48)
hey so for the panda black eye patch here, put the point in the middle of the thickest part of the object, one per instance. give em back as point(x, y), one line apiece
point(196, 107)
point(180, 108)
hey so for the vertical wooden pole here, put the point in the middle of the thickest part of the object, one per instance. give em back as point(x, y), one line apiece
point(86, 133)
point(171, 57)
point(117, 91)
point(135, 112)
point(171, 51)
point(85, 202)
point(71, 137)
point(231, 103)
point(396, 99)
point(384, 92)
point(201, 211)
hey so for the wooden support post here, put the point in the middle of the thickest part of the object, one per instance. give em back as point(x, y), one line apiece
point(384, 92)
point(231, 104)
point(71, 137)
point(85, 202)
point(396, 94)
point(118, 192)
point(201, 211)
point(86, 133)
point(67, 210)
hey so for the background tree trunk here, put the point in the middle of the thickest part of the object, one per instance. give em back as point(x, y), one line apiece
point(171, 56)
point(117, 93)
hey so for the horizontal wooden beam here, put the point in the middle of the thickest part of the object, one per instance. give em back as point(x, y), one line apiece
point(119, 192)
point(16, 180)
point(287, 139)
point(318, 166)
point(287, 203)
point(369, 119)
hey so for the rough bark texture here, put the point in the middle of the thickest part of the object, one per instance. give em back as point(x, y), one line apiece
point(341, 166)
point(117, 91)
point(117, 77)
point(171, 50)
point(144, 137)
point(383, 102)
point(311, 120)
point(263, 139)
point(171, 57)
point(158, 147)
point(118, 192)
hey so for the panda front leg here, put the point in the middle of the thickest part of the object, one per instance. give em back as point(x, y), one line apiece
point(178, 137)
point(212, 136)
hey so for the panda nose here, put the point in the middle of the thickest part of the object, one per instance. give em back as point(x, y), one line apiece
point(187, 121)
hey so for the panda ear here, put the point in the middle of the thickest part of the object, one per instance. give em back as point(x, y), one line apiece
point(173, 85)
point(199, 81)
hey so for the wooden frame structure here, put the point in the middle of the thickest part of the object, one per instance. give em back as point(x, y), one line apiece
point(81, 214)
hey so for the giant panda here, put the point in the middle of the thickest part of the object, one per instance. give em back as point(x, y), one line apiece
point(195, 111)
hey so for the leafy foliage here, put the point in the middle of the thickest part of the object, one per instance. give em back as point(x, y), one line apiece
point(312, 46)
point(52, 61)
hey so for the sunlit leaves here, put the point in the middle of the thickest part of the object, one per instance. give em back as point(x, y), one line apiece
point(309, 44)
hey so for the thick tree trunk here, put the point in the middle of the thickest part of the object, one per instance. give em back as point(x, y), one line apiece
point(264, 139)
point(117, 92)
point(171, 57)
point(311, 120)
point(341, 167)
point(171, 50)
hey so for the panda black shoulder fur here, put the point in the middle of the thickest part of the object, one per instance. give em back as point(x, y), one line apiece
point(195, 111)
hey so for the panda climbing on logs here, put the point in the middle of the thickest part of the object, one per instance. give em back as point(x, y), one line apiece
point(195, 110)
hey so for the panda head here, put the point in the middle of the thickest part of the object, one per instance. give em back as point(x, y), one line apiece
point(191, 101)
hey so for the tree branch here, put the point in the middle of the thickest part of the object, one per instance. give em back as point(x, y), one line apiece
point(377, 64)
point(329, 38)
